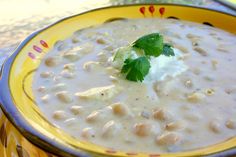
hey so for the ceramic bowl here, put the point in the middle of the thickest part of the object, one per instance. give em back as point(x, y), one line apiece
point(32, 133)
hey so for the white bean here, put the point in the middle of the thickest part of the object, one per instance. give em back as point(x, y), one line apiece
point(119, 109)
point(64, 97)
point(222, 49)
point(71, 56)
point(209, 91)
point(215, 126)
point(42, 89)
point(75, 39)
point(169, 138)
point(45, 98)
point(182, 48)
point(91, 65)
point(67, 74)
point(76, 109)
point(59, 115)
point(191, 36)
point(161, 114)
point(200, 51)
point(174, 126)
point(214, 64)
point(231, 124)
point(109, 129)
point(52, 61)
point(70, 67)
point(101, 41)
point(195, 97)
point(46, 74)
point(59, 87)
point(88, 133)
point(70, 121)
point(93, 117)
point(142, 129)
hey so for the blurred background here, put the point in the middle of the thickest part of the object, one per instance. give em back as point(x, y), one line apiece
point(19, 18)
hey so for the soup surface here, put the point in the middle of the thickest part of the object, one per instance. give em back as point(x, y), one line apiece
point(189, 103)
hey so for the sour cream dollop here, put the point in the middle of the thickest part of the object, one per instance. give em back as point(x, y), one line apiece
point(165, 66)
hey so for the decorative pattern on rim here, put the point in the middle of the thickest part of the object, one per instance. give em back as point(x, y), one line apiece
point(38, 49)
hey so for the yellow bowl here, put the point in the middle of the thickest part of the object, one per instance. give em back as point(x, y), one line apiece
point(17, 99)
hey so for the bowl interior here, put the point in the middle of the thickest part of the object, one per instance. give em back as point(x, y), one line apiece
point(27, 58)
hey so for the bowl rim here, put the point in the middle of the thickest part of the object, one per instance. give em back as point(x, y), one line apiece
point(29, 132)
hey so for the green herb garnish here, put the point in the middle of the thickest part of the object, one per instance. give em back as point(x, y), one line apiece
point(137, 66)
point(136, 69)
point(167, 50)
point(151, 44)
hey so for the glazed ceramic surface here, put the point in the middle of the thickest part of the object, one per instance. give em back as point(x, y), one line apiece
point(17, 75)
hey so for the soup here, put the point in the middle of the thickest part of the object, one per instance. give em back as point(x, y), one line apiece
point(187, 101)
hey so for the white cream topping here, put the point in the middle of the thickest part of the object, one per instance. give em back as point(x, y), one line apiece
point(164, 66)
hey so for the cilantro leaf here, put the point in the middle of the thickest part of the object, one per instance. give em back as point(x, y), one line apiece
point(167, 50)
point(136, 69)
point(151, 44)
point(143, 48)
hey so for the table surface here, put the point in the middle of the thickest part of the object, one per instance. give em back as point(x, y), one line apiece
point(19, 18)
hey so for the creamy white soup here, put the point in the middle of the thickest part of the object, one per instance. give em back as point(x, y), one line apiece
point(185, 102)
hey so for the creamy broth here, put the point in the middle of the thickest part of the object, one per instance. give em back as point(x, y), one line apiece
point(80, 92)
